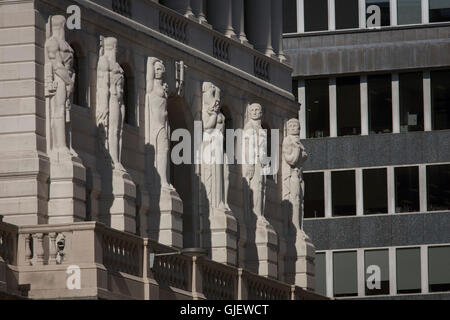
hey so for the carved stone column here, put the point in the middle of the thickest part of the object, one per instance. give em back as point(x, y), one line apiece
point(219, 230)
point(220, 15)
point(259, 32)
point(277, 29)
point(181, 6)
point(299, 266)
point(239, 20)
point(67, 194)
point(199, 9)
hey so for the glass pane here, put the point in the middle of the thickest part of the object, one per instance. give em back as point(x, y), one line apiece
point(317, 108)
point(440, 99)
point(385, 18)
point(345, 274)
point(343, 193)
point(380, 103)
point(376, 264)
point(289, 16)
point(439, 10)
point(438, 187)
point(439, 269)
point(321, 274)
point(348, 106)
point(411, 101)
point(409, 11)
point(316, 15)
point(347, 14)
point(314, 195)
point(408, 271)
point(375, 191)
point(407, 189)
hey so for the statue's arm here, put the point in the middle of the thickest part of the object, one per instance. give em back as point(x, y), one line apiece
point(291, 155)
point(209, 120)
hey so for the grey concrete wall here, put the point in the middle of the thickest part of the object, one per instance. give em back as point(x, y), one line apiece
point(360, 51)
point(377, 150)
point(379, 231)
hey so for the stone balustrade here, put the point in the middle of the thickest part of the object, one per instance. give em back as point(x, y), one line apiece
point(233, 51)
point(114, 265)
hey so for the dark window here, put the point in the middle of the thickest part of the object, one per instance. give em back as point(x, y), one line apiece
point(289, 16)
point(79, 67)
point(411, 101)
point(380, 103)
point(317, 108)
point(343, 193)
point(314, 195)
point(409, 11)
point(438, 187)
point(295, 89)
point(440, 99)
point(345, 274)
point(347, 14)
point(408, 271)
point(407, 189)
point(375, 191)
point(316, 15)
point(439, 269)
point(348, 106)
point(439, 10)
point(128, 96)
point(321, 274)
point(385, 18)
point(376, 264)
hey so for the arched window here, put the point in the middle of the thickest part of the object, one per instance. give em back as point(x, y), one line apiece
point(129, 95)
point(79, 96)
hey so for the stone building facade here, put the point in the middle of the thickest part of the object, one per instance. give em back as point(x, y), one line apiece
point(88, 119)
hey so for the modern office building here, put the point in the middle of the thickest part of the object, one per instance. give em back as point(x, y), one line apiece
point(373, 79)
point(94, 96)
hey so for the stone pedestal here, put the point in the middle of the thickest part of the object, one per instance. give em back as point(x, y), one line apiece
point(118, 202)
point(222, 236)
point(165, 219)
point(302, 272)
point(67, 197)
point(266, 243)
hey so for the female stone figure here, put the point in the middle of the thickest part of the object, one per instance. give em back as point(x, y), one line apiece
point(59, 82)
point(214, 174)
point(158, 125)
point(110, 113)
point(254, 149)
point(294, 155)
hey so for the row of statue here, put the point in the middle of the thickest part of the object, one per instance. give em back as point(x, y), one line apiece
point(110, 114)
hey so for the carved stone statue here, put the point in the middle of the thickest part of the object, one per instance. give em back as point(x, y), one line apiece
point(254, 150)
point(294, 156)
point(110, 113)
point(157, 124)
point(59, 83)
point(214, 166)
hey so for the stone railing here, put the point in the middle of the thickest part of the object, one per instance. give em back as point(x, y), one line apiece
point(115, 265)
point(200, 37)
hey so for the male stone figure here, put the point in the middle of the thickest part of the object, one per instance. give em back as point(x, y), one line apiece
point(214, 131)
point(254, 150)
point(157, 122)
point(110, 113)
point(59, 83)
point(294, 155)
point(299, 264)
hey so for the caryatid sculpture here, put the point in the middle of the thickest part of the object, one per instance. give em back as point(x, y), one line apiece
point(59, 83)
point(158, 124)
point(110, 113)
point(294, 156)
point(214, 164)
point(254, 151)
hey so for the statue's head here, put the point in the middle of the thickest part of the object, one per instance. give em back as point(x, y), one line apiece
point(160, 69)
point(255, 111)
point(211, 96)
point(293, 127)
point(58, 23)
point(110, 44)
